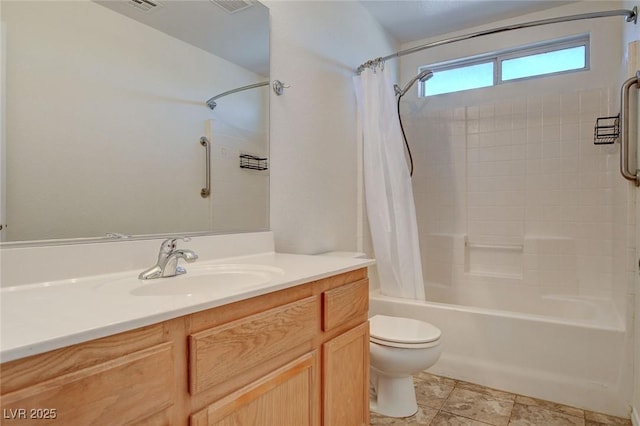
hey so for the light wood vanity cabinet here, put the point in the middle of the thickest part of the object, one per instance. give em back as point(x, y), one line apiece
point(295, 357)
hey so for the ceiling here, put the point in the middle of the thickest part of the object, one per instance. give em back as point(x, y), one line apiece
point(241, 37)
point(411, 20)
point(207, 26)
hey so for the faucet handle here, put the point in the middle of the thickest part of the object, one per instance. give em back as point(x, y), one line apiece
point(170, 244)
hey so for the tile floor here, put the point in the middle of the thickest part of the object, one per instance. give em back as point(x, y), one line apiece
point(448, 402)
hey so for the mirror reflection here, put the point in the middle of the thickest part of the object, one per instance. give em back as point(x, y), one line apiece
point(105, 109)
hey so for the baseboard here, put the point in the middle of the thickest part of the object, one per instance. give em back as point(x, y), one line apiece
point(635, 417)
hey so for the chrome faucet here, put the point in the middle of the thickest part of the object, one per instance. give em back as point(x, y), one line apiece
point(168, 257)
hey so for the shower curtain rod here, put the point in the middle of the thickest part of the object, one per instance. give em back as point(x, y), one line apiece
point(212, 104)
point(631, 16)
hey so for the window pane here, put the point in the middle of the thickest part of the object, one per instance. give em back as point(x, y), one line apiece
point(544, 63)
point(462, 78)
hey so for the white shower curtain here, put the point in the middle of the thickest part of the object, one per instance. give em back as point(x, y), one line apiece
point(389, 197)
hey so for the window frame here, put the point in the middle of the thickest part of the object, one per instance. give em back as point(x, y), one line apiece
point(581, 40)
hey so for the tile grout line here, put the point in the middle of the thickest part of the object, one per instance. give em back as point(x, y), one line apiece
point(455, 382)
point(511, 411)
point(440, 410)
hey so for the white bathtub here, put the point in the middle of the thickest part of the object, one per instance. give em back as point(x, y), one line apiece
point(568, 350)
point(507, 296)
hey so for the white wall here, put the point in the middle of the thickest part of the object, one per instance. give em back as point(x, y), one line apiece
point(105, 119)
point(315, 47)
point(3, 136)
point(631, 64)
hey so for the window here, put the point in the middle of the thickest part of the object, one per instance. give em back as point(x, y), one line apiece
point(573, 58)
point(556, 57)
point(461, 78)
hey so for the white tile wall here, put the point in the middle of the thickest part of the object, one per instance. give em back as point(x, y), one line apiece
point(523, 171)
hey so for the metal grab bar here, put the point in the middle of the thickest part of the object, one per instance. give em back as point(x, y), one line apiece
point(624, 134)
point(204, 192)
point(514, 247)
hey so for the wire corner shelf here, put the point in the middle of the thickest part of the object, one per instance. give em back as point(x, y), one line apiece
point(253, 162)
point(606, 130)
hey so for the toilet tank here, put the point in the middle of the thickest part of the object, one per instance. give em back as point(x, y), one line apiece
point(353, 254)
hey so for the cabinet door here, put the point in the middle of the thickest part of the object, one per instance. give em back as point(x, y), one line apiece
point(345, 376)
point(136, 388)
point(287, 397)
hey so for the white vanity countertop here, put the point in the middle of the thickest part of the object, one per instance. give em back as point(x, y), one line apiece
point(40, 317)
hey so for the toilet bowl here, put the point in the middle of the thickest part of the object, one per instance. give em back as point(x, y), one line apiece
point(400, 347)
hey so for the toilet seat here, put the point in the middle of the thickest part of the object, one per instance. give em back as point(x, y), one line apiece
point(400, 332)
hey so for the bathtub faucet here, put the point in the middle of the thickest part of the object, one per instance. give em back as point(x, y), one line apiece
point(167, 265)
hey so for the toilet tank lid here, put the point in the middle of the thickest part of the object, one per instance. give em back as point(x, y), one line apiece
point(352, 254)
point(402, 330)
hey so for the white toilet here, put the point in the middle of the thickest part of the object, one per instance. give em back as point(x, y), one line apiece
point(400, 347)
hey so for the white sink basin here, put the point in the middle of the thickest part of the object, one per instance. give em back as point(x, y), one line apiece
point(209, 278)
point(218, 278)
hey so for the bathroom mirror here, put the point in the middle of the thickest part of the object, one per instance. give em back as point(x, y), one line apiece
point(105, 109)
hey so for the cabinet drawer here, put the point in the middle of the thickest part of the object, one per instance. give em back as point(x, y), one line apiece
point(24, 372)
point(121, 391)
point(344, 303)
point(220, 353)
